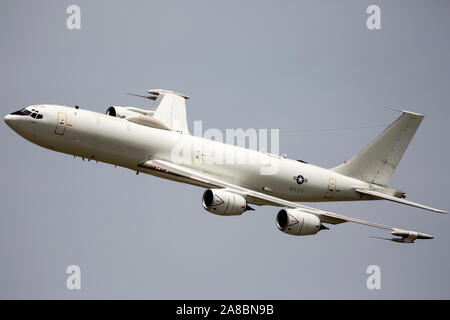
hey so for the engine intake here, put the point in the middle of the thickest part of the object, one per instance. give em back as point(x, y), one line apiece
point(123, 112)
point(298, 223)
point(224, 203)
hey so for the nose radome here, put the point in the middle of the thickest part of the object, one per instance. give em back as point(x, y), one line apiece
point(8, 119)
point(11, 121)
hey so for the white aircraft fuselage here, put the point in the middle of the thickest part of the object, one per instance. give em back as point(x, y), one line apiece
point(96, 136)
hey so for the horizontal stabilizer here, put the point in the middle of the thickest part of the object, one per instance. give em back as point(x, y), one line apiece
point(399, 200)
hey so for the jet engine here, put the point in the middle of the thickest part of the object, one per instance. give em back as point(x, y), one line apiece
point(224, 203)
point(298, 223)
point(123, 112)
point(136, 115)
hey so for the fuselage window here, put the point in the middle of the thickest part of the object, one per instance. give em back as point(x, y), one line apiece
point(39, 116)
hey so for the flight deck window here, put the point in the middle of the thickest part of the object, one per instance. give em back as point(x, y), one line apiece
point(23, 112)
point(26, 112)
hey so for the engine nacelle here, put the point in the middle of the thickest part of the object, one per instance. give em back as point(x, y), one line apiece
point(123, 112)
point(223, 203)
point(298, 223)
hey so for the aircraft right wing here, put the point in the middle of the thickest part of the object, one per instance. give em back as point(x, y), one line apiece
point(259, 198)
point(170, 108)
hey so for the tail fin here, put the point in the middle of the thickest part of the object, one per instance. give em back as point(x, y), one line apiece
point(376, 162)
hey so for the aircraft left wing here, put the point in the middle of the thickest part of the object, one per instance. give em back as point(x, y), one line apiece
point(259, 198)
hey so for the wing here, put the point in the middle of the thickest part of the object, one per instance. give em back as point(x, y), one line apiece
point(261, 198)
point(399, 200)
point(170, 108)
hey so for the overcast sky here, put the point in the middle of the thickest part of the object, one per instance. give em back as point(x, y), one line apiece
point(304, 67)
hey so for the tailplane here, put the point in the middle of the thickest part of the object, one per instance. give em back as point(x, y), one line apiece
point(376, 162)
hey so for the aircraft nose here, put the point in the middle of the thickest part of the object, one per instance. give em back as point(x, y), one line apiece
point(12, 120)
point(9, 119)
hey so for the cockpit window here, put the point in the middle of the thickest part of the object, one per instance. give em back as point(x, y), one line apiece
point(23, 112)
point(26, 112)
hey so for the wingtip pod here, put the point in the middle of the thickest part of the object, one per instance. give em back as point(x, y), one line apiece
point(156, 92)
point(411, 234)
point(406, 236)
point(162, 91)
point(142, 96)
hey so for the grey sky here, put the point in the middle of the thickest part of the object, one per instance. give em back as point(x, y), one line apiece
point(293, 65)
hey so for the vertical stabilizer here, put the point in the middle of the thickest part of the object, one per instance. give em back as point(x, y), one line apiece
point(376, 162)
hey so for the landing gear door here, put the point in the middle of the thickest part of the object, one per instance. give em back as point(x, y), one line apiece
point(61, 123)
